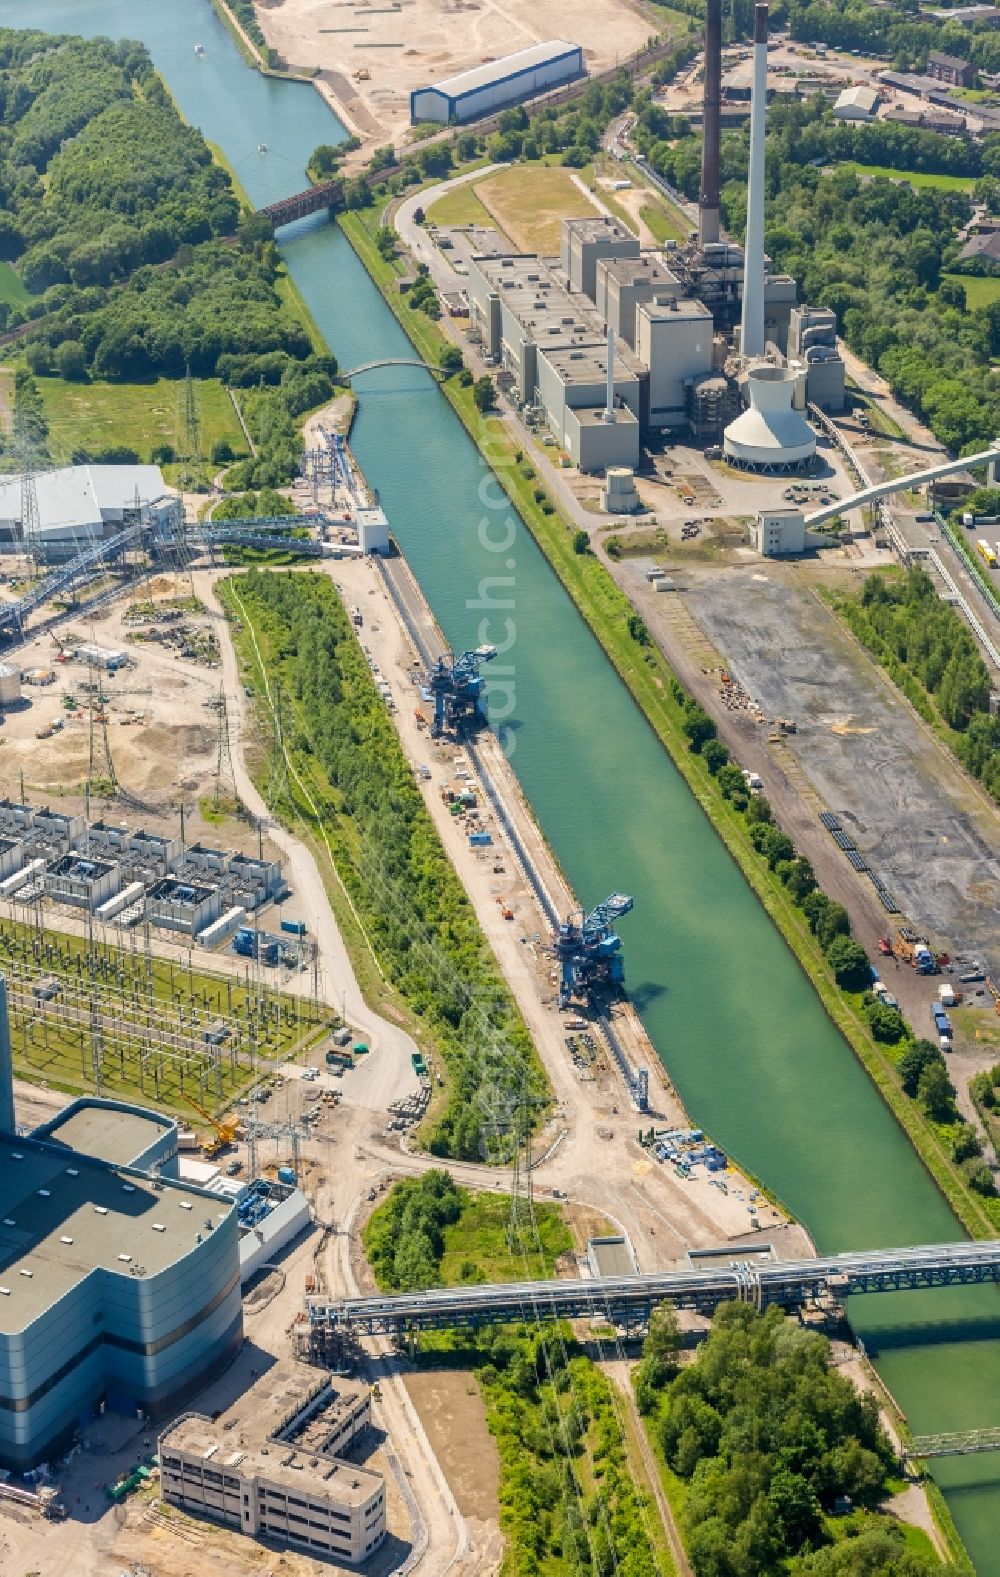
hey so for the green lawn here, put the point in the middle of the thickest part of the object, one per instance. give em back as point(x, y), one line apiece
point(479, 1237)
point(459, 207)
point(945, 183)
point(666, 223)
point(979, 291)
point(530, 201)
point(11, 287)
point(137, 415)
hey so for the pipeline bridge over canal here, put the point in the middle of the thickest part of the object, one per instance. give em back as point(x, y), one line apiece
point(626, 1301)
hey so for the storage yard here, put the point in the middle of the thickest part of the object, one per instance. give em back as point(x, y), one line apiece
point(371, 60)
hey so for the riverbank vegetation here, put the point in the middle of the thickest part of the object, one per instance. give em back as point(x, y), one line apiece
point(136, 260)
point(336, 731)
point(775, 1461)
point(929, 653)
point(431, 1233)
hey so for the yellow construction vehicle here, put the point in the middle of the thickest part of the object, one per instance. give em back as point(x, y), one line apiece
point(225, 1132)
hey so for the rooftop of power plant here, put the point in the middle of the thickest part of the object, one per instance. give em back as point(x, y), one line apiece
point(676, 307)
point(106, 1133)
point(599, 227)
point(247, 1436)
point(647, 269)
point(589, 363)
point(66, 1215)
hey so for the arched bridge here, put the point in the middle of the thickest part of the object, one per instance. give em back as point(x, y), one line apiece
point(393, 361)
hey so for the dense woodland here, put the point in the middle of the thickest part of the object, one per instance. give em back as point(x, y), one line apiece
point(905, 623)
point(391, 860)
point(782, 1459)
point(132, 242)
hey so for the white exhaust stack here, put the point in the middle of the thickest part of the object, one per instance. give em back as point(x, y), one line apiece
point(752, 327)
point(609, 411)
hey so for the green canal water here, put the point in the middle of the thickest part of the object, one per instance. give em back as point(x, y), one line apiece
point(728, 1008)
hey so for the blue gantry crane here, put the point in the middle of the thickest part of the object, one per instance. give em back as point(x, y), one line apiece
point(456, 687)
point(589, 950)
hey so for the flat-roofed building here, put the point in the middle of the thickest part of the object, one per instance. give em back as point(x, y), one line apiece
point(116, 1288)
point(585, 241)
point(82, 880)
point(115, 1132)
point(81, 504)
point(11, 856)
point(520, 306)
point(176, 904)
point(486, 88)
point(271, 1465)
point(622, 282)
point(572, 390)
point(674, 340)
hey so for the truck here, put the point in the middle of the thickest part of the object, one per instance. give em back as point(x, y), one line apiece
point(942, 1024)
point(947, 995)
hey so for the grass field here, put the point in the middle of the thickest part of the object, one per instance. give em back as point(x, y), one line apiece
point(11, 288)
point(479, 1237)
point(666, 223)
point(528, 201)
point(143, 1021)
point(979, 291)
point(945, 183)
point(137, 415)
point(459, 207)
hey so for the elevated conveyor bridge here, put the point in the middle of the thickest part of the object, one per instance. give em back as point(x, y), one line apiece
point(627, 1300)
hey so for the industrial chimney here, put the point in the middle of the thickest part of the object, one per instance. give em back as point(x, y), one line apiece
point(708, 201)
point(752, 330)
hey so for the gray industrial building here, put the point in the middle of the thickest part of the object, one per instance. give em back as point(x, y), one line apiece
point(490, 87)
point(80, 504)
point(812, 339)
point(622, 283)
point(175, 904)
point(585, 242)
point(273, 1465)
point(81, 880)
point(119, 1286)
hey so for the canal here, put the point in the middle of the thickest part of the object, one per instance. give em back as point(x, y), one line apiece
point(745, 1037)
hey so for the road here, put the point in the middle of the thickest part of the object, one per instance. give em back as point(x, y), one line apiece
point(419, 242)
point(388, 1072)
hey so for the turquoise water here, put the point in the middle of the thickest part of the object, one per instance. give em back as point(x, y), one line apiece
point(745, 1037)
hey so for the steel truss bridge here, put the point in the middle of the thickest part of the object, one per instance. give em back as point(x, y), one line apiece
point(328, 194)
point(960, 1444)
point(627, 1301)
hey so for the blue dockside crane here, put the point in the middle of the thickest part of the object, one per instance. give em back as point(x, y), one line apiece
point(456, 686)
point(589, 950)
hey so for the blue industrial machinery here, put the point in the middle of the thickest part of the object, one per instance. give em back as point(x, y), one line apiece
point(588, 950)
point(456, 687)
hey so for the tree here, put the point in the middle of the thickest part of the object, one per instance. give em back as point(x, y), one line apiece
point(714, 754)
point(913, 1062)
point(886, 1023)
point(795, 1507)
point(937, 1093)
point(71, 361)
point(385, 240)
point(581, 542)
point(966, 1145)
point(484, 393)
point(663, 1343)
point(698, 727)
point(450, 358)
point(777, 846)
point(637, 630)
point(833, 921)
point(979, 1177)
point(849, 963)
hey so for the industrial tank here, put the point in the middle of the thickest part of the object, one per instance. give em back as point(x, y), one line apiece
point(10, 685)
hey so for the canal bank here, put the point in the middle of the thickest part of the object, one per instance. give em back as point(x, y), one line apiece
point(749, 1047)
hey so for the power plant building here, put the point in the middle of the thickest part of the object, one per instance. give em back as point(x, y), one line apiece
point(585, 242)
point(272, 1465)
point(674, 340)
point(487, 88)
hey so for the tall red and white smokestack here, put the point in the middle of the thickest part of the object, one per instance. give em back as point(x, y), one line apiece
point(708, 201)
point(752, 329)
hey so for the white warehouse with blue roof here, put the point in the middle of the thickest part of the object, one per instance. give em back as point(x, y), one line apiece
point(487, 88)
